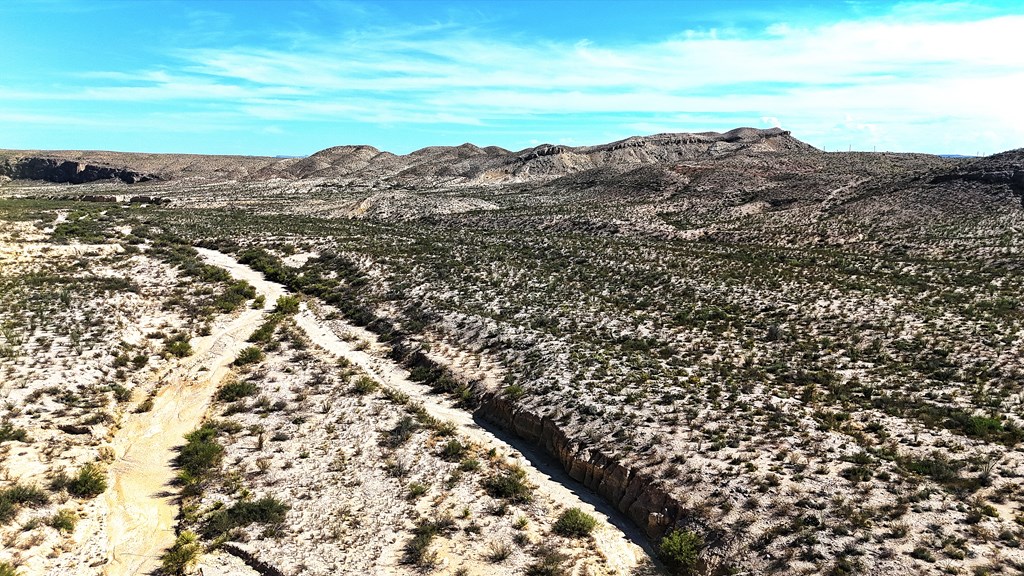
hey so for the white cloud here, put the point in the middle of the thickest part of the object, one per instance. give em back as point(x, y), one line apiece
point(907, 79)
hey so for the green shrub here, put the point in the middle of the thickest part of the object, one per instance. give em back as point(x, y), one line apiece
point(679, 550)
point(7, 569)
point(287, 305)
point(178, 346)
point(265, 333)
point(144, 406)
point(401, 433)
point(183, 554)
point(417, 550)
point(235, 390)
point(234, 296)
point(364, 385)
point(121, 394)
point(63, 520)
point(201, 452)
point(249, 355)
point(510, 485)
point(416, 490)
point(14, 497)
point(514, 391)
point(267, 510)
point(575, 523)
point(9, 432)
point(90, 481)
point(453, 450)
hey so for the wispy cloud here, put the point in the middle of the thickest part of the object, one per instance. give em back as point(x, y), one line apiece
point(878, 80)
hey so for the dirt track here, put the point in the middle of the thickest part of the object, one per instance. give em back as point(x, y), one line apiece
point(617, 539)
point(141, 499)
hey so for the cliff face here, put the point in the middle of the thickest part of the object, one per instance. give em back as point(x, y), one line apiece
point(1005, 168)
point(66, 171)
point(633, 493)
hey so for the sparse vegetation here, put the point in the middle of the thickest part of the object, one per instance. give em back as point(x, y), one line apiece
point(233, 390)
point(575, 523)
point(716, 326)
point(90, 481)
point(510, 484)
point(182, 555)
point(12, 498)
point(680, 551)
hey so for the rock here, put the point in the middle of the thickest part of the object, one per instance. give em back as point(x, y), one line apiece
point(67, 171)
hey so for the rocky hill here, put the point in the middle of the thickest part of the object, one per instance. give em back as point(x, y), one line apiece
point(429, 167)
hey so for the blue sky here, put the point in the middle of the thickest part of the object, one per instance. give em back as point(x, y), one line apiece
point(269, 78)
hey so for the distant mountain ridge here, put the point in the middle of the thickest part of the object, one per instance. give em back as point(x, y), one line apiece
point(431, 166)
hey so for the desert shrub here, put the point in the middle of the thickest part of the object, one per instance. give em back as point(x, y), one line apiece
point(7, 569)
point(550, 562)
point(364, 385)
point(287, 305)
point(14, 497)
point(498, 551)
point(178, 346)
point(179, 557)
point(90, 481)
point(121, 394)
point(514, 391)
point(9, 432)
point(510, 485)
point(444, 428)
point(266, 510)
point(679, 550)
point(249, 355)
point(453, 450)
point(201, 452)
point(417, 550)
point(63, 520)
point(265, 333)
point(416, 490)
point(235, 390)
point(575, 523)
point(234, 296)
point(401, 433)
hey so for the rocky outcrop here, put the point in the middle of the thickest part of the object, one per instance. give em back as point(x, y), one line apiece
point(1012, 178)
point(155, 200)
point(635, 494)
point(67, 171)
point(1003, 169)
point(251, 560)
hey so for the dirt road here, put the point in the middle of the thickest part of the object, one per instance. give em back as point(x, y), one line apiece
point(141, 500)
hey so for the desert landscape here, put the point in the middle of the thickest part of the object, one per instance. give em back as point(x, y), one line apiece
point(688, 353)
